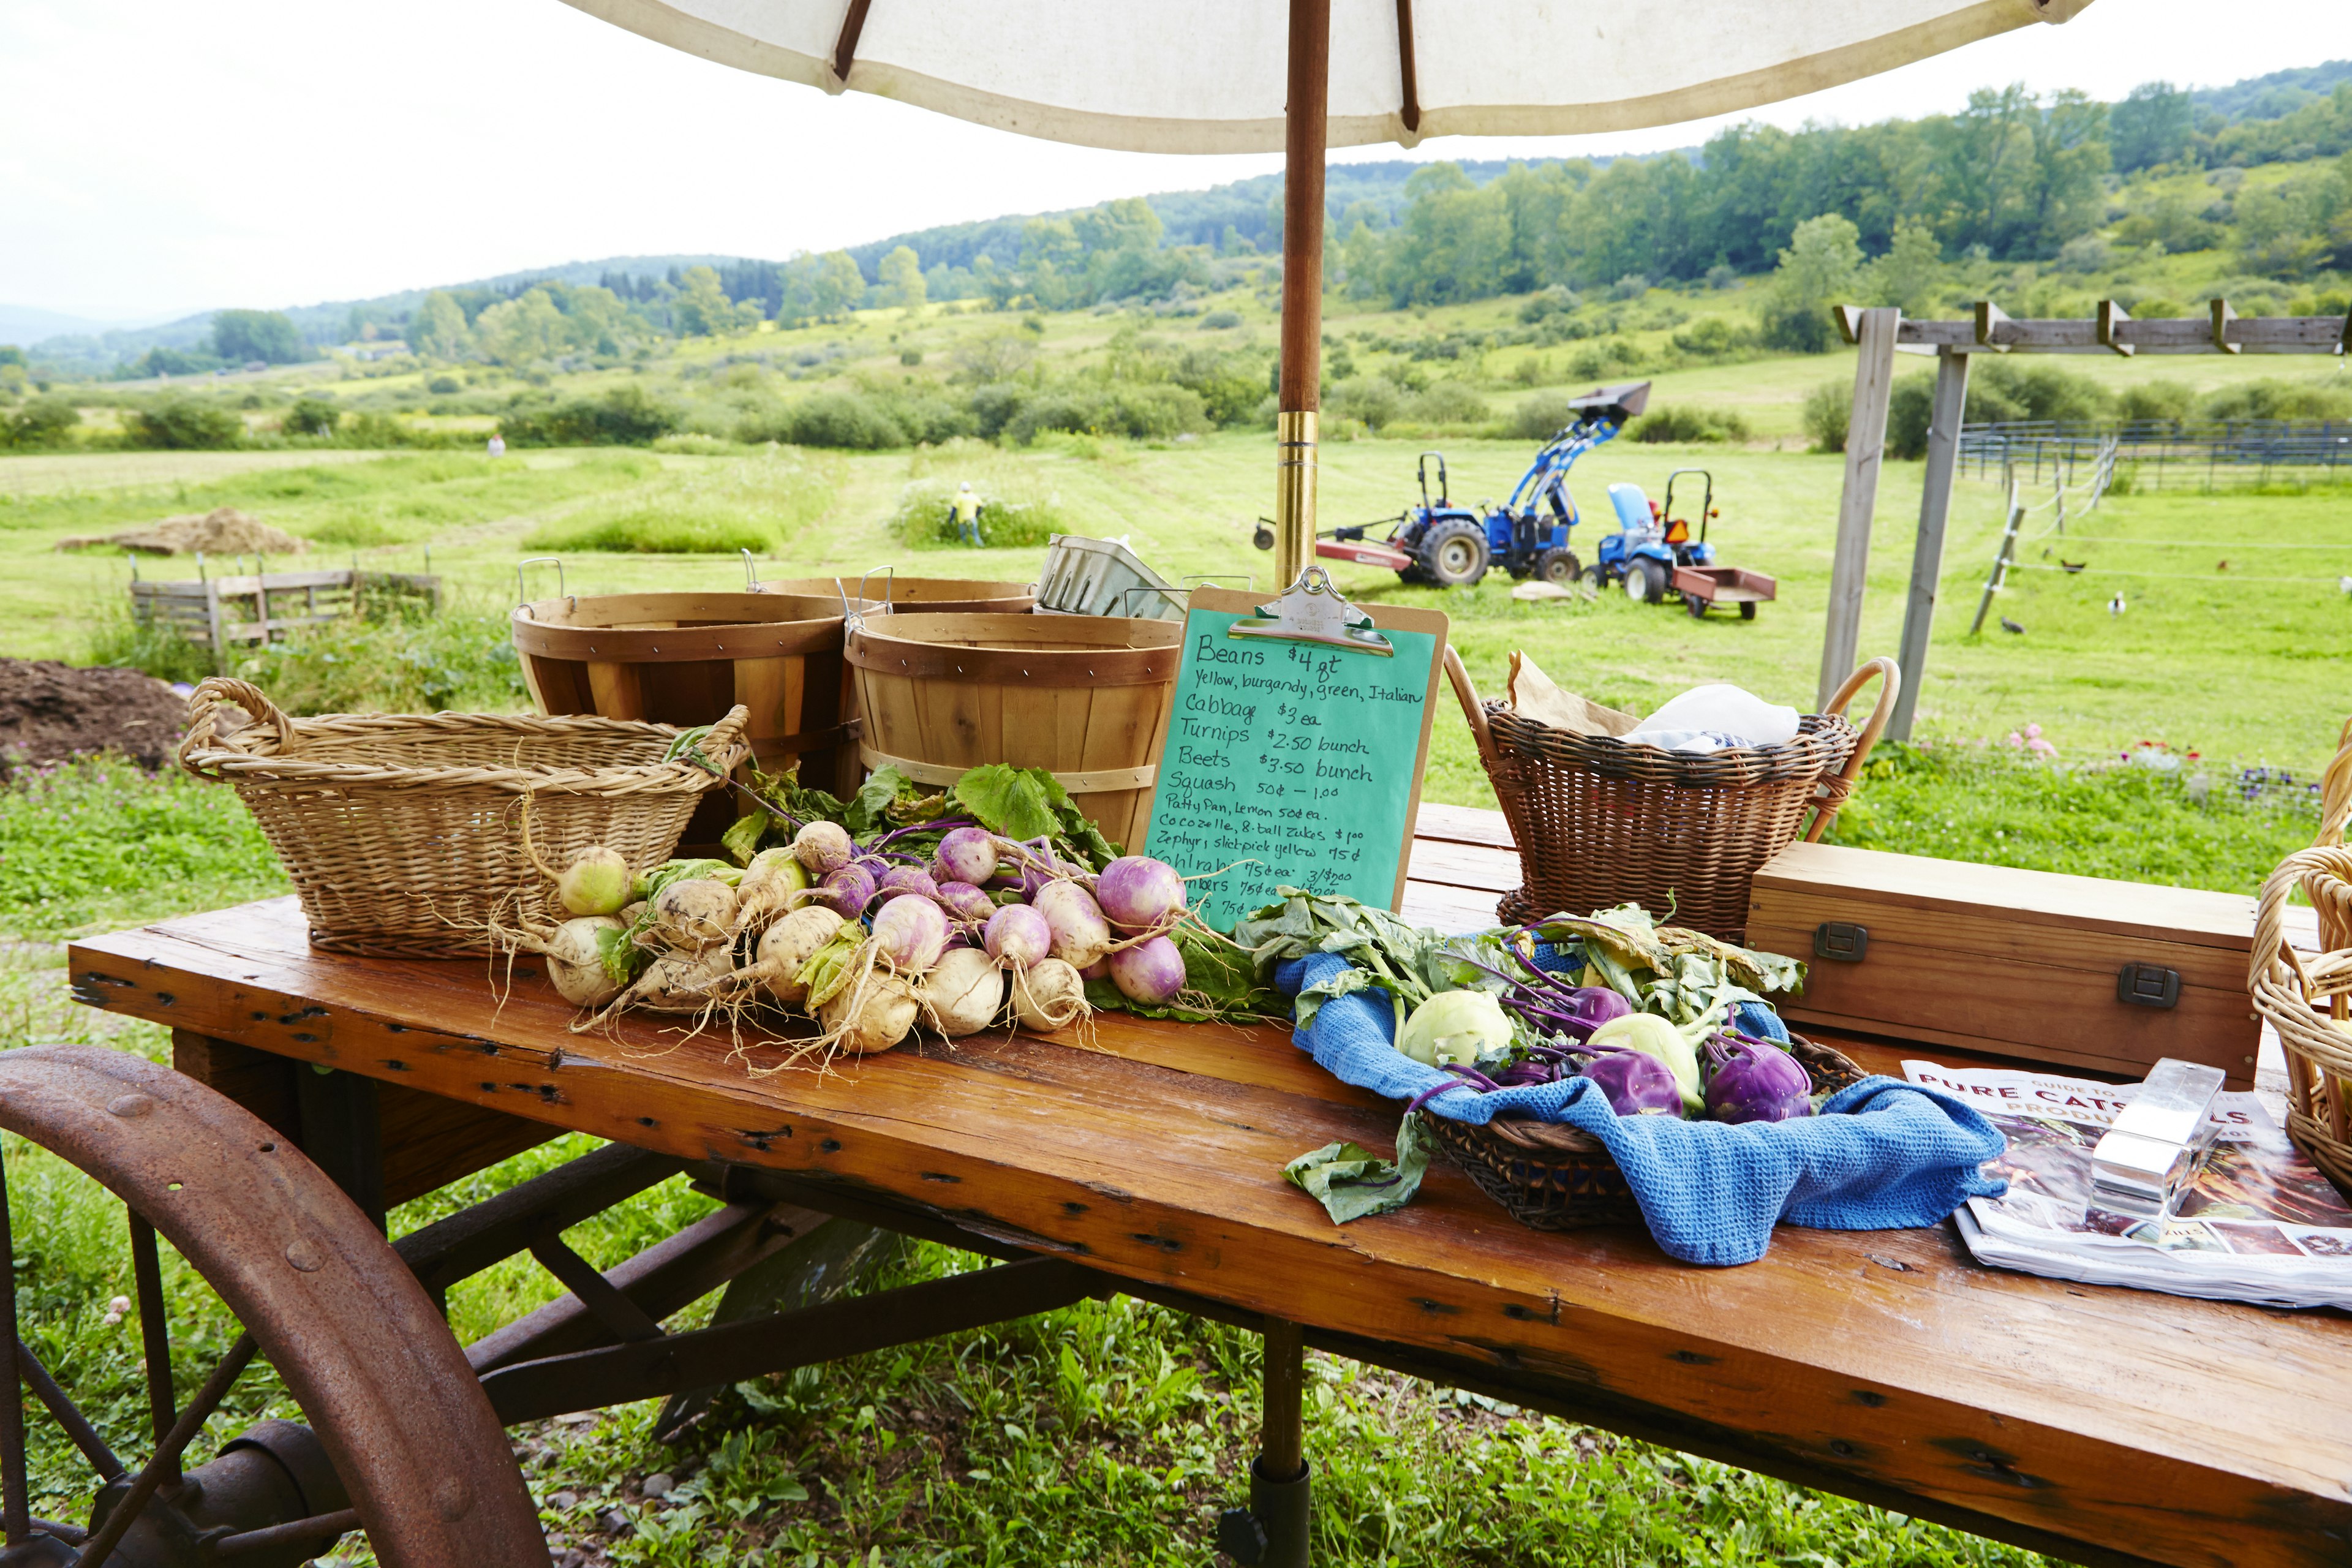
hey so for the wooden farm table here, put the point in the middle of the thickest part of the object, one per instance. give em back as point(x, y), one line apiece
point(2099, 1425)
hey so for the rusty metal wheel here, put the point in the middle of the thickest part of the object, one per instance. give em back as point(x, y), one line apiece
point(402, 1442)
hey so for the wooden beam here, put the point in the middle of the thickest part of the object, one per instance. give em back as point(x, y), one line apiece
point(2111, 315)
point(1927, 550)
point(1849, 322)
point(1865, 449)
point(1306, 114)
point(2223, 317)
point(1991, 321)
point(844, 47)
point(1405, 70)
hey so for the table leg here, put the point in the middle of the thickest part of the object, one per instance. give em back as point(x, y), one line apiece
point(342, 1133)
point(1273, 1532)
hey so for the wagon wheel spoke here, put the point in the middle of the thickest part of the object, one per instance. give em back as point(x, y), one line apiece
point(166, 1461)
point(154, 1332)
point(15, 1501)
point(67, 1415)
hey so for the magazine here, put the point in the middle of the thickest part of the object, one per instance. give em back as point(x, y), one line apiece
point(2258, 1223)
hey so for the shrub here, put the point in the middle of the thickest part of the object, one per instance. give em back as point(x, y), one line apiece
point(1447, 403)
point(1712, 338)
point(2158, 400)
point(43, 422)
point(1827, 409)
point(1371, 399)
point(444, 386)
point(1151, 411)
point(2004, 389)
point(2274, 399)
point(624, 416)
point(185, 425)
point(1603, 358)
point(1674, 423)
point(311, 415)
point(1017, 514)
point(656, 531)
point(1910, 409)
point(1633, 285)
point(1218, 321)
point(1543, 416)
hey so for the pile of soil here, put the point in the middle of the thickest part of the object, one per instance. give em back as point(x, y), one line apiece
point(224, 531)
point(50, 710)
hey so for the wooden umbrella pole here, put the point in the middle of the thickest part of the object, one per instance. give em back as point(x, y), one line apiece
point(1307, 108)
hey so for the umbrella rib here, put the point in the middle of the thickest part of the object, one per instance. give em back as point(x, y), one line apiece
point(1404, 62)
point(845, 48)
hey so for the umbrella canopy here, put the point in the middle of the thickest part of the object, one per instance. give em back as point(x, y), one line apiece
point(1207, 75)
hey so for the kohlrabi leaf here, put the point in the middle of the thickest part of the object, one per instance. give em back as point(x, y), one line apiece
point(1007, 800)
point(865, 813)
point(743, 840)
point(1351, 1182)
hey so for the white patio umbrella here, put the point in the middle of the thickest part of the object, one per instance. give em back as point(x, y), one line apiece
point(1246, 75)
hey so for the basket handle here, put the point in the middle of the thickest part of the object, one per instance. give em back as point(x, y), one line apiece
point(2275, 973)
point(726, 741)
point(1472, 709)
point(204, 704)
point(1835, 790)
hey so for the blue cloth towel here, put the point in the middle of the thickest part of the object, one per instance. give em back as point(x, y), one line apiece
point(1710, 1193)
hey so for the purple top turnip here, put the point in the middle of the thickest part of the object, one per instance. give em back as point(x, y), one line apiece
point(1138, 893)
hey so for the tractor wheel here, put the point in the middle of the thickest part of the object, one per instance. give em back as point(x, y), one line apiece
point(1748, 610)
point(1559, 567)
point(1696, 605)
point(402, 1443)
point(1596, 577)
point(1644, 582)
point(1454, 553)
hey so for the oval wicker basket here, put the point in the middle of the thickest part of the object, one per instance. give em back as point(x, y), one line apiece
point(1553, 1177)
point(2308, 1000)
point(402, 833)
point(1602, 822)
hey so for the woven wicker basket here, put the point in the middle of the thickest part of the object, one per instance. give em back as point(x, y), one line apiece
point(2309, 1000)
point(1553, 1177)
point(1602, 822)
point(404, 832)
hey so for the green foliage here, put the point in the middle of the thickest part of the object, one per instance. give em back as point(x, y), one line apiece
point(1684, 423)
point(311, 415)
point(1827, 409)
point(756, 503)
point(702, 310)
point(2155, 400)
point(1373, 401)
point(1713, 339)
point(1820, 268)
point(1144, 413)
point(437, 328)
point(2276, 399)
point(661, 530)
point(1018, 512)
point(1449, 402)
point(2003, 388)
point(2151, 125)
point(183, 425)
point(902, 279)
point(241, 336)
point(41, 421)
point(626, 415)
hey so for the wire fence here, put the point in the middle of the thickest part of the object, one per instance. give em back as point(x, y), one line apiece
point(2156, 453)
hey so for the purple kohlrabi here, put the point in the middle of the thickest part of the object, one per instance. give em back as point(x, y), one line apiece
point(1754, 1081)
point(1635, 1083)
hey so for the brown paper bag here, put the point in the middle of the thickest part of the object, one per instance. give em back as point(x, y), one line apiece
point(1535, 695)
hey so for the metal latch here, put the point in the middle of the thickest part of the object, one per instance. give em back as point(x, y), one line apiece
point(1840, 942)
point(2148, 985)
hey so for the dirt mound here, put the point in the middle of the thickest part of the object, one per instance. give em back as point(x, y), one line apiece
point(225, 531)
point(50, 710)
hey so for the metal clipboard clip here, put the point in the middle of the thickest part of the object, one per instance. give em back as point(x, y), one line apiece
point(1311, 611)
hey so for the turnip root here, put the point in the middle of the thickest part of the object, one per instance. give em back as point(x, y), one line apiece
point(822, 847)
point(576, 961)
point(967, 903)
point(895, 879)
point(767, 888)
point(848, 890)
point(1151, 972)
point(1048, 996)
point(680, 981)
point(963, 994)
point(1138, 893)
point(965, 855)
point(597, 882)
point(1081, 935)
point(910, 932)
point(692, 914)
point(787, 946)
point(873, 1013)
point(1018, 935)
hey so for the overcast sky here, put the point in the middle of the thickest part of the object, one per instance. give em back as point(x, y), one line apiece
point(159, 157)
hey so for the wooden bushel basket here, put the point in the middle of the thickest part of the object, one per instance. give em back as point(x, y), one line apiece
point(1086, 697)
point(1602, 822)
point(687, 659)
point(917, 595)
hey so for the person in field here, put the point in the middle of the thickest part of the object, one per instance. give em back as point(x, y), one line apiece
point(966, 507)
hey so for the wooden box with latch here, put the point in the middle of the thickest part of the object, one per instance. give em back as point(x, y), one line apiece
point(2070, 970)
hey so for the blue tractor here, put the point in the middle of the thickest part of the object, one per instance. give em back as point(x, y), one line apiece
point(1451, 545)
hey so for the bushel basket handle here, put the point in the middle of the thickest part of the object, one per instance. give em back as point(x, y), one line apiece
point(1831, 793)
point(1472, 709)
point(2334, 820)
point(2288, 990)
point(204, 704)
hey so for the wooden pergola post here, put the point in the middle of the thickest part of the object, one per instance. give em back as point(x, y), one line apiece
point(1927, 549)
point(1865, 450)
point(1307, 108)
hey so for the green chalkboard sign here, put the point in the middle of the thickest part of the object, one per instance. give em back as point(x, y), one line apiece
point(1293, 763)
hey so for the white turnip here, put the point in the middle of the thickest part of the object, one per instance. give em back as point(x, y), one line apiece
point(822, 847)
point(788, 945)
point(1081, 935)
point(1138, 893)
point(576, 961)
point(1018, 935)
point(967, 903)
point(895, 879)
point(691, 914)
point(963, 995)
point(597, 882)
point(1048, 996)
point(681, 981)
point(767, 888)
point(1151, 972)
point(911, 932)
point(871, 1014)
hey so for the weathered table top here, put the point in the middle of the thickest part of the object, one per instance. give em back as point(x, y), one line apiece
point(2098, 1423)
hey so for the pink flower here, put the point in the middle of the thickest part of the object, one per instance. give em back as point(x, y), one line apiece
point(2034, 732)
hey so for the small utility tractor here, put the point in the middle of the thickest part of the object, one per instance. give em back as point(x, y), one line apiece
point(1652, 554)
point(1451, 545)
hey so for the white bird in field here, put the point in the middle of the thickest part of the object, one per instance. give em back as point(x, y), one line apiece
point(2344, 583)
point(2116, 607)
